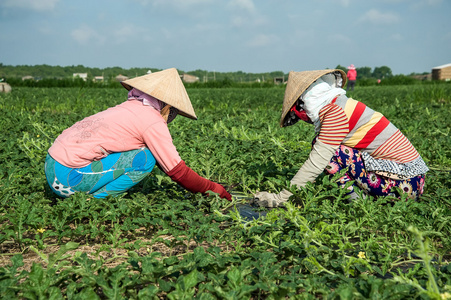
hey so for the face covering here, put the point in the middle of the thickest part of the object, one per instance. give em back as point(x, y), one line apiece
point(301, 114)
point(135, 94)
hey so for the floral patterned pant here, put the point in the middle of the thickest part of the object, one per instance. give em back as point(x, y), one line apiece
point(370, 182)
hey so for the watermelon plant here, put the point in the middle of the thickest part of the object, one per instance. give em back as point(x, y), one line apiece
point(161, 242)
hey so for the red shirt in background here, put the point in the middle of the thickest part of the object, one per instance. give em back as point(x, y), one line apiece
point(352, 74)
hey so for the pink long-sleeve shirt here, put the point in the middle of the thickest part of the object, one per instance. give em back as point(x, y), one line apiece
point(127, 126)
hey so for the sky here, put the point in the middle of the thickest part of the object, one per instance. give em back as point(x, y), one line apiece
point(253, 36)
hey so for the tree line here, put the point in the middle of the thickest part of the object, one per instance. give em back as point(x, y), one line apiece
point(47, 75)
point(39, 72)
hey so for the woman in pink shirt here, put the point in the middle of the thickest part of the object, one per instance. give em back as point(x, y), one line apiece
point(111, 151)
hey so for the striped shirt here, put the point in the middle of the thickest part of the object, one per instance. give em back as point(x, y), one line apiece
point(351, 123)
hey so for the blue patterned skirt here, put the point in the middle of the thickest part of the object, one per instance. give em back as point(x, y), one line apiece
point(112, 175)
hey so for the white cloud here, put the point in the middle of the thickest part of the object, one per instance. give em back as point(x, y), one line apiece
point(130, 32)
point(340, 38)
point(242, 21)
point(261, 40)
point(416, 3)
point(46, 29)
point(85, 34)
point(344, 3)
point(397, 37)
point(246, 5)
point(238, 21)
point(420, 4)
point(376, 17)
point(395, 1)
point(243, 13)
point(174, 3)
point(180, 9)
point(38, 5)
point(299, 37)
point(433, 2)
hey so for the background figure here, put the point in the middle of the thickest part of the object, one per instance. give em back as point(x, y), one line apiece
point(352, 77)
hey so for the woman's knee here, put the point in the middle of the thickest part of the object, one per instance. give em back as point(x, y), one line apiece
point(144, 160)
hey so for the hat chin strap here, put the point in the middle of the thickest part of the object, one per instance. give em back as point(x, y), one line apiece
point(165, 112)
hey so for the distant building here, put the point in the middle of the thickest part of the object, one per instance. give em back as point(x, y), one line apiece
point(189, 78)
point(98, 79)
point(83, 76)
point(121, 77)
point(423, 77)
point(28, 77)
point(279, 80)
point(442, 72)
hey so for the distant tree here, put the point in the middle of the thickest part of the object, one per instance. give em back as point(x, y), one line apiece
point(340, 67)
point(363, 72)
point(382, 72)
point(276, 74)
point(59, 72)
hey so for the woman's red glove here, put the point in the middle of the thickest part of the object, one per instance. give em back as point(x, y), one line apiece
point(190, 180)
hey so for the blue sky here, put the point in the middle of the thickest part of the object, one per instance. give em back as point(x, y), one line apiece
point(230, 35)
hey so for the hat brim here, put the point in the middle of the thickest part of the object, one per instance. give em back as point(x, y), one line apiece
point(298, 82)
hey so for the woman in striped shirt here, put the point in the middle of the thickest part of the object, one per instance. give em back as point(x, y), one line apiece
point(377, 156)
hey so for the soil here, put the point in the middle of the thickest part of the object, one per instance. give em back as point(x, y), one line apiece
point(112, 256)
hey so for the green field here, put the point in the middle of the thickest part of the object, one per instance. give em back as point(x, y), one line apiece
point(162, 242)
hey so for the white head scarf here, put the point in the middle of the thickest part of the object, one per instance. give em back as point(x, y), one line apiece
point(319, 94)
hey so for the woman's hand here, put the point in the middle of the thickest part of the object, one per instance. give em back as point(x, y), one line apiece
point(219, 189)
point(190, 180)
point(266, 199)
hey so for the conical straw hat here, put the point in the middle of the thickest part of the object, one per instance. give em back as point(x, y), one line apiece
point(166, 86)
point(298, 82)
